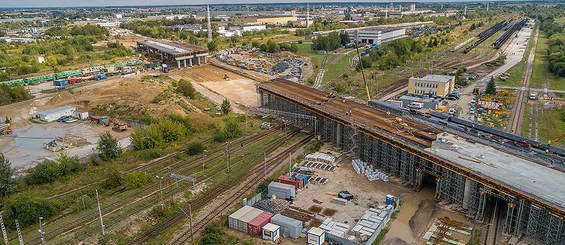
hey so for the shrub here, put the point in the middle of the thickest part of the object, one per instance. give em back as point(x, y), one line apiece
point(185, 88)
point(113, 178)
point(137, 179)
point(195, 148)
point(29, 209)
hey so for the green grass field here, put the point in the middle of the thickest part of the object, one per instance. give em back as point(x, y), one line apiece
point(305, 49)
point(541, 73)
point(551, 125)
point(333, 71)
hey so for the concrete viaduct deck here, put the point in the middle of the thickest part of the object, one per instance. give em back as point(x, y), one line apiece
point(183, 54)
point(468, 172)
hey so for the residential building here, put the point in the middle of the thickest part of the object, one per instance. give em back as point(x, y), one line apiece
point(435, 85)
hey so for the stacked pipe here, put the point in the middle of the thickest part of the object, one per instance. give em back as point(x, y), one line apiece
point(517, 26)
point(361, 167)
point(486, 34)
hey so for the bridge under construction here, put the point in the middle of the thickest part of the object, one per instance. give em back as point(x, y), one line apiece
point(468, 171)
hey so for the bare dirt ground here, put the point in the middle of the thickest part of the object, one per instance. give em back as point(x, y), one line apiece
point(25, 146)
point(237, 88)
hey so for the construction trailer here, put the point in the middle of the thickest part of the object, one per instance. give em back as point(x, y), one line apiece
point(467, 170)
point(281, 190)
point(55, 114)
point(271, 232)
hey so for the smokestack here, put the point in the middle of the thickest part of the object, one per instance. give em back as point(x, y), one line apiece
point(386, 12)
point(487, 5)
point(308, 15)
point(465, 13)
point(209, 23)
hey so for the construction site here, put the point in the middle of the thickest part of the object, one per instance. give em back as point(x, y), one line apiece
point(515, 189)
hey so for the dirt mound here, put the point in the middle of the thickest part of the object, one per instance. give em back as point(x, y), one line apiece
point(62, 97)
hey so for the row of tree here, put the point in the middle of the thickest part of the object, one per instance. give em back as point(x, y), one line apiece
point(556, 45)
point(13, 94)
point(332, 41)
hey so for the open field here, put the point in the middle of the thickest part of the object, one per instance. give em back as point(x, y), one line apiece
point(541, 76)
point(237, 88)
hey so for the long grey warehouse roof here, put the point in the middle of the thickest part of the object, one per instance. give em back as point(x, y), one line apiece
point(174, 49)
point(533, 179)
point(56, 110)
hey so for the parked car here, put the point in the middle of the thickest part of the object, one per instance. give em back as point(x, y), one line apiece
point(62, 119)
point(533, 96)
point(70, 120)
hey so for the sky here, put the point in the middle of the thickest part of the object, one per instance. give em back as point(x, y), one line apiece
point(100, 3)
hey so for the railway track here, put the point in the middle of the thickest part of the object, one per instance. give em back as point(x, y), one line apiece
point(491, 233)
point(149, 190)
point(217, 191)
point(272, 164)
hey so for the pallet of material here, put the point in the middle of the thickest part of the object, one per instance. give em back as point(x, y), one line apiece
point(338, 200)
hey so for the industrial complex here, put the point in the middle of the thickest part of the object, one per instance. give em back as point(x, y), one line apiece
point(469, 171)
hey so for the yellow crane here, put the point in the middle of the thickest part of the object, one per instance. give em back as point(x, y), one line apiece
point(363, 72)
point(554, 140)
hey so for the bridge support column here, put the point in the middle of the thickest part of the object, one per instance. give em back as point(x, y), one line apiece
point(190, 61)
point(467, 193)
point(480, 216)
point(184, 61)
point(438, 189)
point(178, 63)
point(338, 135)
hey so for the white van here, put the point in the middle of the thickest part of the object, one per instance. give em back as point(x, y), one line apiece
point(416, 105)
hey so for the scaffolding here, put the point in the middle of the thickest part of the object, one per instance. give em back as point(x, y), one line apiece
point(398, 158)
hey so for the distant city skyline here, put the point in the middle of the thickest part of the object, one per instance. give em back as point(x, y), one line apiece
point(106, 3)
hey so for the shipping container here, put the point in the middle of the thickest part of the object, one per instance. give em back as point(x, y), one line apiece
point(241, 223)
point(234, 217)
point(60, 83)
point(281, 190)
point(289, 226)
point(289, 181)
point(254, 226)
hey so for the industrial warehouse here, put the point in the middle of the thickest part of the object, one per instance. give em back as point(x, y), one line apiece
point(181, 54)
point(468, 171)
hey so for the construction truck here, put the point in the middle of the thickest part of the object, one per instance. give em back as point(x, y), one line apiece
point(6, 128)
point(119, 126)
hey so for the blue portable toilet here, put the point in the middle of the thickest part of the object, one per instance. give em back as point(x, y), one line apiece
point(389, 200)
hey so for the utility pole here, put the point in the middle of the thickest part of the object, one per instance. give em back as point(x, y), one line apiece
point(290, 164)
point(4, 233)
point(170, 174)
point(308, 14)
point(161, 191)
point(100, 215)
point(265, 164)
point(189, 215)
point(41, 232)
point(15, 217)
point(228, 156)
point(83, 203)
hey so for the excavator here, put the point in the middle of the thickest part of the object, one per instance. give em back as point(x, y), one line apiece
point(119, 126)
point(6, 127)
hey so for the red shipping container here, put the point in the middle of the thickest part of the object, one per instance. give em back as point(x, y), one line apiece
point(254, 226)
point(298, 184)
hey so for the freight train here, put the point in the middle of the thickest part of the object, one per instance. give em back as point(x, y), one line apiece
point(468, 127)
point(68, 74)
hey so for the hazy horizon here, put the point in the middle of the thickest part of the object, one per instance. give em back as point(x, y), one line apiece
point(105, 3)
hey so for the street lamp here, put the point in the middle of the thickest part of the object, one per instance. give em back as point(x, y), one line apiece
point(41, 232)
point(161, 190)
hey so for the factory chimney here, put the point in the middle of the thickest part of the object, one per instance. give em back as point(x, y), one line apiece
point(209, 23)
point(465, 13)
point(308, 15)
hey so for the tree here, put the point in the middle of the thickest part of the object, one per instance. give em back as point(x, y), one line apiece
point(344, 37)
point(7, 184)
point(273, 47)
point(232, 129)
point(108, 147)
point(491, 87)
point(212, 46)
point(226, 106)
point(185, 88)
